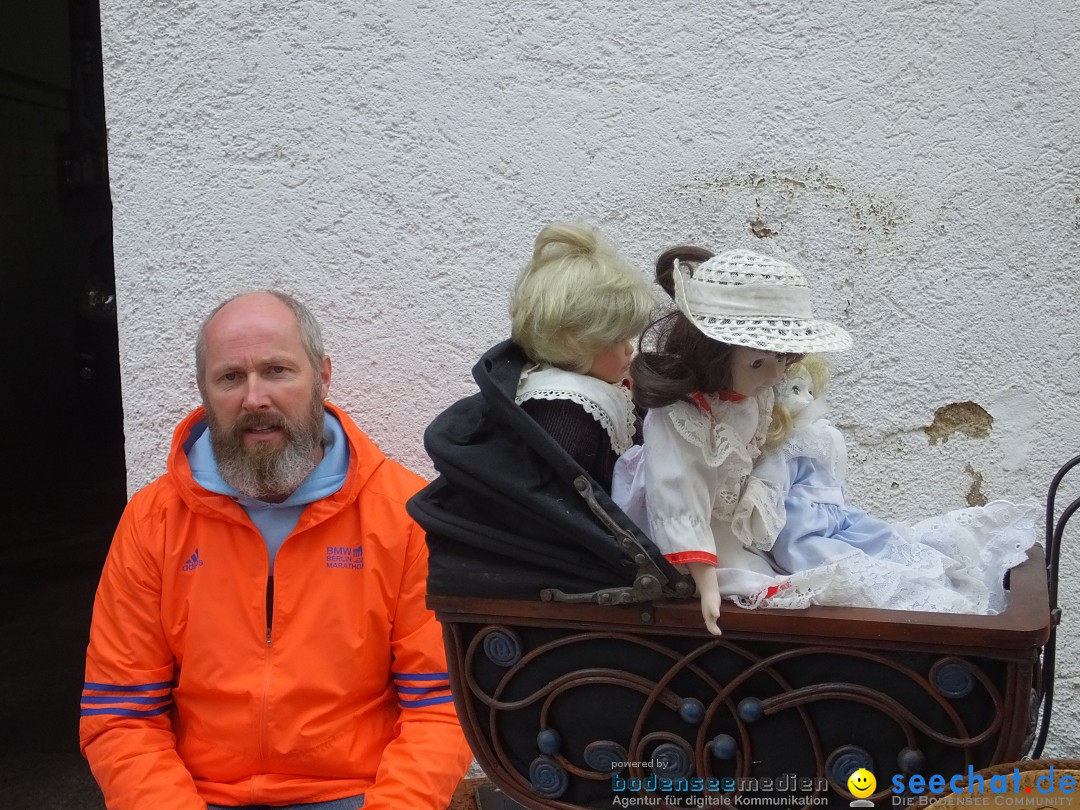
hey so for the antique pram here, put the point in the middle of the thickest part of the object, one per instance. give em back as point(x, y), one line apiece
point(581, 668)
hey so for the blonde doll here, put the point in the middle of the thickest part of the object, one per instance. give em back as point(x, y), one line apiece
point(837, 554)
point(740, 319)
point(575, 312)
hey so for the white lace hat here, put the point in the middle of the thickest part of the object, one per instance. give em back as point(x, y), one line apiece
point(746, 299)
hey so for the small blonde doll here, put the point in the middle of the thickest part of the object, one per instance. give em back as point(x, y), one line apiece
point(740, 319)
point(575, 312)
point(837, 554)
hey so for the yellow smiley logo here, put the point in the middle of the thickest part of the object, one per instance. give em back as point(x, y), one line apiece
point(861, 783)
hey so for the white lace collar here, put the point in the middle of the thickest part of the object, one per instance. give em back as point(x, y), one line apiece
point(723, 428)
point(608, 403)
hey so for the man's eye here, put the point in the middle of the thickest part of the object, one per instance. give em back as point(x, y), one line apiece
point(756, 364)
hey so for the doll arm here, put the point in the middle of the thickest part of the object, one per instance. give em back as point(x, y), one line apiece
point(761, 514)
point(775, 470)
point(680, 486)
point(709, 592)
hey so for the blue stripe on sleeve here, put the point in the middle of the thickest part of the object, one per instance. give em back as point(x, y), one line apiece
point(138, 687)
point(128, 712)
point(413, 704)
point(421, 676)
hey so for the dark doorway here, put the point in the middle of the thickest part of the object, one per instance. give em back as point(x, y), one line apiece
point(64, 478)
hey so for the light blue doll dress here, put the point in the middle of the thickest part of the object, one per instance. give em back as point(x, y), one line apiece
point(832, 553)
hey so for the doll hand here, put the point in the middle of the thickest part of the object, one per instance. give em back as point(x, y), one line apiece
point(710, 611)
point(709, 591)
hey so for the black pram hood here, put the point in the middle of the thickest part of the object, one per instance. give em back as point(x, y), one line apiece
point(512, 515)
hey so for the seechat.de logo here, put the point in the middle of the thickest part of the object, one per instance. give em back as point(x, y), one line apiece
point(1050, 788)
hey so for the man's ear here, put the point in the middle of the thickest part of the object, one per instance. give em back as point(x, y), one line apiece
point(324, 375)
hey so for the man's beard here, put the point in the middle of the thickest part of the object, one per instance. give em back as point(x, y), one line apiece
point(268, 471)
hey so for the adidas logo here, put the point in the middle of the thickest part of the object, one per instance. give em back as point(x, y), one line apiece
point(193, 561)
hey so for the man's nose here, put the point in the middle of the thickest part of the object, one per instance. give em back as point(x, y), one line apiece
point(255, 394)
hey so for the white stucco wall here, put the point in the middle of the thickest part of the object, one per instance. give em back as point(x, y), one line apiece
point(391, 163)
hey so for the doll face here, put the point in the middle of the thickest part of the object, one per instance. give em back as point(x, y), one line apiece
point(796, 391)
point(754, 371)
point(612, 365)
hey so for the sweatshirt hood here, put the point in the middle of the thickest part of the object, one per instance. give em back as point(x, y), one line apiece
point(202, 488)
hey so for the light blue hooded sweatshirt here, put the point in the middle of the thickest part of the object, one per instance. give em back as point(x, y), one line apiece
point(275, 520)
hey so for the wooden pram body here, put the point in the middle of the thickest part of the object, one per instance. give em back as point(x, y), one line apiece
point(578, 689)
point(554, 697)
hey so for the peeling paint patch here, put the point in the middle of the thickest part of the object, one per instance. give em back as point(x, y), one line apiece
point(760, 229)
point(869, 214)
point(975, 496)
point(877, 213)
point(968, 418)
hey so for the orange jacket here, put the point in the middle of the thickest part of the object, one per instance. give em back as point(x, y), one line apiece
point(190, 699)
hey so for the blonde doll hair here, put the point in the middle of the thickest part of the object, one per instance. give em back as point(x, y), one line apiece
point(783, 422)
point(576, 298)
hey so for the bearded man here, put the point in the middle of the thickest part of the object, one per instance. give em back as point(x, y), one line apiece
point(260, 637)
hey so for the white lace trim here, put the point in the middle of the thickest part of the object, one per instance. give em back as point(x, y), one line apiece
point(717, 437)
point(817, 440)
point(729, 436)
point(787, 595)
point(765, 408)
point(609, 404)
point(952, 563)
point(759, 516)
point(718, 441)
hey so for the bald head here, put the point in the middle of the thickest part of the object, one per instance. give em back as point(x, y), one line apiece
point(240, 309)
point(263, 381)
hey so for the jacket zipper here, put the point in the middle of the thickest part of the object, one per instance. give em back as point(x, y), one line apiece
point(264, 742)
point(269, 607)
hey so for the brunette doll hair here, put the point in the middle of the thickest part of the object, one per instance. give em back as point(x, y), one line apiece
point(674, 358)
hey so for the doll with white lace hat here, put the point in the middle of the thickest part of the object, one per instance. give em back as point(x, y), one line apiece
point(707, 379)
point(837, 554)
point(575, 312)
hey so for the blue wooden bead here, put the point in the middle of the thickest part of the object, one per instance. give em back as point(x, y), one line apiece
point(692, 711)
point(910, 760)
point(548, 741)
point(751, 710)
point(724, 746)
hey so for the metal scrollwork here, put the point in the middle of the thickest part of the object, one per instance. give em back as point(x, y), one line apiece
point(609, 705)
point(547, 777)
point(952, 677)
point(502, 647)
